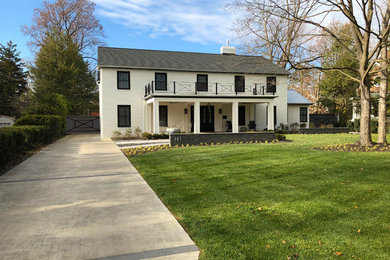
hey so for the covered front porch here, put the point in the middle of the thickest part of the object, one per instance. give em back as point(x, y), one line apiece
point(205, 115)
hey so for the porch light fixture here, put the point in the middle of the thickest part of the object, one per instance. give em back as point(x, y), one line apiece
point(185, 111)
point(220, 111)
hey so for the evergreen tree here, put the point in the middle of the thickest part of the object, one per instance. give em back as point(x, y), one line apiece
point(12, 79)
point(337, 91)
point(60, 69)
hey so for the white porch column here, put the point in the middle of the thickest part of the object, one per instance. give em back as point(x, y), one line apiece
point(196, 117)
point(235, 117)
point(156, 117)
point(270, 124)
point(149, 117)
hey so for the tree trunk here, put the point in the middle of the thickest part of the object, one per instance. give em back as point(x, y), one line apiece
point(365, 117)
point(382, 96)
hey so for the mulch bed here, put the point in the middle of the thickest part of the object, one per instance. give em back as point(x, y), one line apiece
point(355, 148)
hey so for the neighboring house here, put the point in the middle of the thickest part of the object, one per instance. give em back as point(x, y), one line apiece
point(298, 109)
point(189, 92)
point(6, 121)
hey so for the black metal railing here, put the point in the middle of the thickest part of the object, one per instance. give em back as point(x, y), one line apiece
point(210, 89)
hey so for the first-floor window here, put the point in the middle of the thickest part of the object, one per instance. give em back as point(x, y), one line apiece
point(303, 114)
point(163, 112)
point(124, 116)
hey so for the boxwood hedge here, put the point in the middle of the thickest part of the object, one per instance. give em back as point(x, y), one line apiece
point(28, 133)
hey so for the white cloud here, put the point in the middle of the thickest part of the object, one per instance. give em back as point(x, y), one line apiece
point(194, 21)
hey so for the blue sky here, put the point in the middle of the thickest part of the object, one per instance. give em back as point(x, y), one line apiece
point(183, 25)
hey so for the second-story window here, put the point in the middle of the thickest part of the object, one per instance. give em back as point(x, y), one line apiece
point(202, 82)
point(123, 80)
point(161, 81)
point(271, 84)
point(239, 84)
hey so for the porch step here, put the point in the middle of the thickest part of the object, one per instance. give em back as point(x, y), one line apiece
point(134, 143)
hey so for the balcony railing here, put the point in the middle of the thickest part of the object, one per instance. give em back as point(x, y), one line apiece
point(209, 89)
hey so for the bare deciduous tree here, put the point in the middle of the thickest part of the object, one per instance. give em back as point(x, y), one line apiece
point(384, 65)
point(73, 17)
point(272, 33)
point(367, 30)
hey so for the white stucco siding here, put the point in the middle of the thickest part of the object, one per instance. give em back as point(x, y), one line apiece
point(111, 97)
point(294, 114)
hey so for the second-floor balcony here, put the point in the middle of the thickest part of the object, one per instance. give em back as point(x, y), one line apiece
point(206, 89)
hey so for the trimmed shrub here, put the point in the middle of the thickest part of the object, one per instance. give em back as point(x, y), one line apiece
point(350, 125)
point(373, 126)
point(149, 136)
point(280, 137)
point(356, 125)
point(19, 139)
point(56, 124)
point(28, 133)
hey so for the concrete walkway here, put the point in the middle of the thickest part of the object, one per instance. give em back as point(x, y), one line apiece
point(80, 198)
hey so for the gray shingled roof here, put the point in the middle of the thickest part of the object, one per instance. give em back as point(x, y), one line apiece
point(294, 98)
point(186, 61)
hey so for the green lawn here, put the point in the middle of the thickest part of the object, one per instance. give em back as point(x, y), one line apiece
point(279, 200)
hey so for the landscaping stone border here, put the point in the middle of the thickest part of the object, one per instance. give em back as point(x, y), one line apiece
point(334, 130)
point(196, 139)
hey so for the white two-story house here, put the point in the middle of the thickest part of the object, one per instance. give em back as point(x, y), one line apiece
point(190, 92)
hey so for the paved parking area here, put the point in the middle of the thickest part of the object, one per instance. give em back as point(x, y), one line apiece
point(80, 198)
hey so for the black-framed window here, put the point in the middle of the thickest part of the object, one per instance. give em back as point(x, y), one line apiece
point(161, 81)
point(202, 82)
point(241, 115)
point(124, 116)
point(303, 114)
point(275, 113)
point(239, 83)
point(163, 113)
point(123, 80)
point(271, 84)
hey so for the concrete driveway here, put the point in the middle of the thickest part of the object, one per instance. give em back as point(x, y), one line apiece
point(80, 198)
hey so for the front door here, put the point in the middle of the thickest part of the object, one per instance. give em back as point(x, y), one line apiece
point(206, 118)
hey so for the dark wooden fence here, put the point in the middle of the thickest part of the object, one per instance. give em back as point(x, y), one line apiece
point(322, 119)
point(77, 124)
